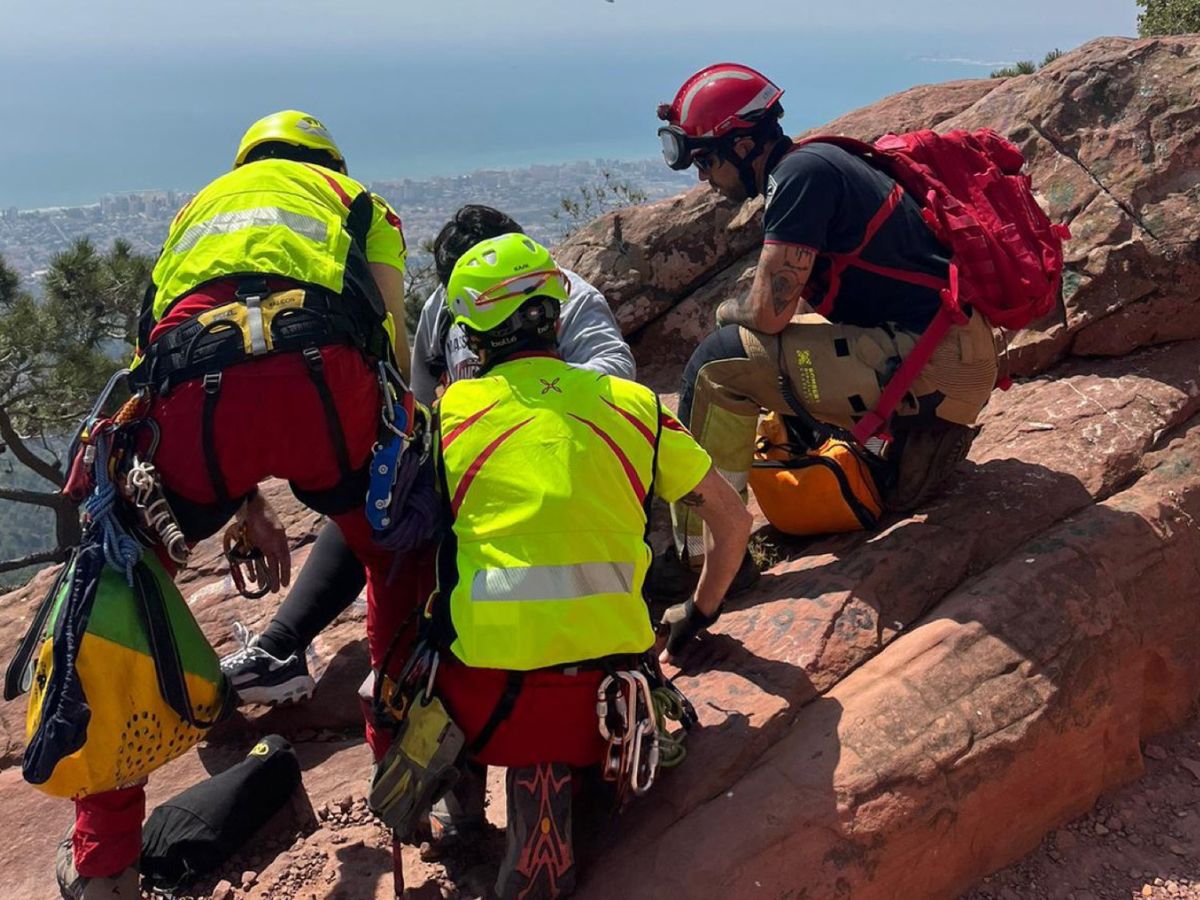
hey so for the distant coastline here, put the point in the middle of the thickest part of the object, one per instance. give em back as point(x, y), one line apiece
point(532, 194)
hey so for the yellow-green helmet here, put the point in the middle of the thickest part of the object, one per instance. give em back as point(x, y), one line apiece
point(493, 279)
point(289, 126)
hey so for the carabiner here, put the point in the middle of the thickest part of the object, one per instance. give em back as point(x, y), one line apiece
point(645, 731)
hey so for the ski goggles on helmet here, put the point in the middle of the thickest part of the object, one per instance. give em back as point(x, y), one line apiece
point(678, 149)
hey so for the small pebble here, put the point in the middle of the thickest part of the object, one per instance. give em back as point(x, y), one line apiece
point(223, 890)
point(1101, 830)
point(248, 879)
point(1153, 751)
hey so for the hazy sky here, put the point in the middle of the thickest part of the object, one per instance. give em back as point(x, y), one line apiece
point(114, 95)
point(508, 25)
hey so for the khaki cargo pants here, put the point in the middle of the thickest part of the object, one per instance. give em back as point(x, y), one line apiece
point(836, 372)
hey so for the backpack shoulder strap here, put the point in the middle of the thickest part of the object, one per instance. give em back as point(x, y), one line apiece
point(16, 676)
point(168, 667)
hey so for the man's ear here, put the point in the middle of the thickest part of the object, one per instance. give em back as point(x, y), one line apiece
point(743, 146)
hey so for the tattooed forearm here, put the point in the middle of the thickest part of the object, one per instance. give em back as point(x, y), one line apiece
point(783, 270)
point(692, 498)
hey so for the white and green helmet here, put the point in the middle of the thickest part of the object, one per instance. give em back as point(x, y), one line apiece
point(493, 279)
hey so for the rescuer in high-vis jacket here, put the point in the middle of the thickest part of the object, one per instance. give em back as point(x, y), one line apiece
point(548, 471)
point(259, 345)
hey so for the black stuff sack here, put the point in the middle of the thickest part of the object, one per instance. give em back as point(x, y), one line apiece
point(196, 831)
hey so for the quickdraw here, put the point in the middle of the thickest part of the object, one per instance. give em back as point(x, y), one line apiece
point(241, 554)
point(628, 722)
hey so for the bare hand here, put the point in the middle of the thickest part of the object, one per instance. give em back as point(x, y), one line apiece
point(264, 531)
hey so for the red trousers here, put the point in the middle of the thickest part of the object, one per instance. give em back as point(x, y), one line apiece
point(269, 421)
point(553, 720)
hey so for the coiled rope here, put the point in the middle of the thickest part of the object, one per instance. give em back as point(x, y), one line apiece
point(121, 550)
point(669, 707)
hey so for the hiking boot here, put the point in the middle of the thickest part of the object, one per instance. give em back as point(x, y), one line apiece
point(458, 819)
point(539, 857)
point(925, 460)
point(124, 886)
point(258, 677)
point(672, 579)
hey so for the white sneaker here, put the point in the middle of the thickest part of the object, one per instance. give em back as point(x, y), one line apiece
point(258, 677)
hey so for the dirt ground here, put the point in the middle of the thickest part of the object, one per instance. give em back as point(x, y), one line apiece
point(1141, 842)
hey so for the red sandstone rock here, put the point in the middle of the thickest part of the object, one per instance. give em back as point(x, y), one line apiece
point(1005, 713)
point(891, 714)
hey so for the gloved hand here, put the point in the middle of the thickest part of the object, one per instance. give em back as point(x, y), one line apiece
point(685, 621)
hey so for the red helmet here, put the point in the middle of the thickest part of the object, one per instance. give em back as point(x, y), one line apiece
point(715, 101)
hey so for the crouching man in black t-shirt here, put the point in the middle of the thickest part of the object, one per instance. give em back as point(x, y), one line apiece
point(824, 205)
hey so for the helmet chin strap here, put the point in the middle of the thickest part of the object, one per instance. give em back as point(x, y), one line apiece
point(745, 167)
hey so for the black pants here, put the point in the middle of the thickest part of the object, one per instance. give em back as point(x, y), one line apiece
point(329, 582)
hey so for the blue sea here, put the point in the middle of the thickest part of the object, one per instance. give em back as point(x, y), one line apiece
point(82, 124)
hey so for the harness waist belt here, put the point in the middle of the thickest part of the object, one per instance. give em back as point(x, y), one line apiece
point(253, 326)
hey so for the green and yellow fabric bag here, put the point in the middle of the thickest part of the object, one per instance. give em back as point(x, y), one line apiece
point(123, 680)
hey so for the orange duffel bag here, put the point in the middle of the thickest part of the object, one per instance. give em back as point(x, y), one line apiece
point(824, 491)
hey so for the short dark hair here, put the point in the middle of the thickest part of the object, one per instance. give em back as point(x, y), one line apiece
point(467, 227)
point(296, 153)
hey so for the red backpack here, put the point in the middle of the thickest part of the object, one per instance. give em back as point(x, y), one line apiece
point(1006, 256)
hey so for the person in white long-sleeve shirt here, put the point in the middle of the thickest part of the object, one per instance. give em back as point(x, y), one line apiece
point(588, 335)
point(270, 667)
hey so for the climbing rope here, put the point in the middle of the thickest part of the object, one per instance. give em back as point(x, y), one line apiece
point(121, 550)
point(668, 706)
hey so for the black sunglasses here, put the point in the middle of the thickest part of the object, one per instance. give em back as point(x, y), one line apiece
point(704, 160)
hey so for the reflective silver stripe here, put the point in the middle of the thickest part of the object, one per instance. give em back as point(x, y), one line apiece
point(686, 106)
point(737, 480)
point(262, 217)
point(553, 582)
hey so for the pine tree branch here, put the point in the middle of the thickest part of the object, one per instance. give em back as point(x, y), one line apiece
point(20, 450)
point(34, 559)
point(48, 499)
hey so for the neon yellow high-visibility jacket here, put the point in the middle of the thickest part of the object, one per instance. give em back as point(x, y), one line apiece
point(547, 469)
point(271, 217)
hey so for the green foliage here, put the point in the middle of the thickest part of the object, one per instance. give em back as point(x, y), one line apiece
point(56, 353)
point(595, 200)
point(1024, 67)
point(1027, 66)
point(1168, 17)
